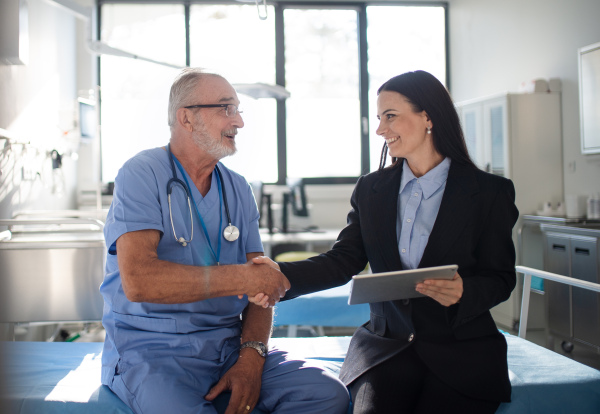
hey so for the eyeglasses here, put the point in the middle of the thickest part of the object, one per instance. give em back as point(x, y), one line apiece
point(230, 109)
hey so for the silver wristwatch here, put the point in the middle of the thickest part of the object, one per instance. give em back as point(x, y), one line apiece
point(259, 346)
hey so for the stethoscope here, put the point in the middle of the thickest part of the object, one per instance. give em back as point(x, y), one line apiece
point(230, 233)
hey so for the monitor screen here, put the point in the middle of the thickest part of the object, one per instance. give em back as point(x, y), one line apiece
point(87, 119)
point(298, 197)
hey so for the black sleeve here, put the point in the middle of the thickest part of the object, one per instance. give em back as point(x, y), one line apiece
point(334, 268)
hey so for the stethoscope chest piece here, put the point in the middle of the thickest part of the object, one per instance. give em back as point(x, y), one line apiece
point(231, 233)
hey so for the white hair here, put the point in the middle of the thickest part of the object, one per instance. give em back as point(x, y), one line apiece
point(183, 88)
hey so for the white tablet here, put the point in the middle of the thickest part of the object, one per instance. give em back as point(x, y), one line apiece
point(381, 287)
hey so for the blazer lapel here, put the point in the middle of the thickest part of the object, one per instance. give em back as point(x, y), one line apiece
point(384, 204)
point(454, 213)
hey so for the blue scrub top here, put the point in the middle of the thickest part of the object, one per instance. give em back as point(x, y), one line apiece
point(138, 331)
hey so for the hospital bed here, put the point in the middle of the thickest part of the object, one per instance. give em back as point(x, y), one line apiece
point(64, 378)
point(316, 310)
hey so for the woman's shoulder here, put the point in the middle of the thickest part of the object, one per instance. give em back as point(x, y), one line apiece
point(493, 185)
point(493, 180)
point(384, 174)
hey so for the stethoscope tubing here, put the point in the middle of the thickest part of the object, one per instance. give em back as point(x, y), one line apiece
point(230, 233)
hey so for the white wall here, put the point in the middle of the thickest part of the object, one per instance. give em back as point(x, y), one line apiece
point(38, 106)
point(496, 45)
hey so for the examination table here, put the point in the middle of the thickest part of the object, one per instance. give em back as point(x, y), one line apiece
point(60, 377)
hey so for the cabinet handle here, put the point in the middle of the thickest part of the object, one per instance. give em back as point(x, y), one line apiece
point(585, 252)
point(560, 247)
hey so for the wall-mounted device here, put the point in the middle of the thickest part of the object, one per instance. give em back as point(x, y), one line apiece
point(88, 118)
point(14, 32)
point(589, 98)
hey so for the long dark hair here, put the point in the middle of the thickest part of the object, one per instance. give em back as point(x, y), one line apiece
point(425, 93)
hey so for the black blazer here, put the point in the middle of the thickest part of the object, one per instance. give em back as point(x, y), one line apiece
point(473, 229)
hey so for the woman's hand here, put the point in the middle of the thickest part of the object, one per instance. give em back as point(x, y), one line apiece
point(446, 292)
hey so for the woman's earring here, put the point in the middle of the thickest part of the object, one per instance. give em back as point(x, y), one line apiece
point(429, 130)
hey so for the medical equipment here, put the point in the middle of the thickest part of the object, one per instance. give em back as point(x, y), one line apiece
point(230, 233)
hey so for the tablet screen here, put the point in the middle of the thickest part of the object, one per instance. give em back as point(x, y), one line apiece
point(381, 287)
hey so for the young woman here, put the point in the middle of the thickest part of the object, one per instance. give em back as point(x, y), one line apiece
point(431, 207)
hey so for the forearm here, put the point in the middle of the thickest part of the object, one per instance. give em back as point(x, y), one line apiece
point(257, 324)
point(159, 281)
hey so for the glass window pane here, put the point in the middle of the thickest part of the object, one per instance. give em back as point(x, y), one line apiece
point(155, 32)
point(323, 112)
point(242, 49)
point(135, 93)
point(402, 39)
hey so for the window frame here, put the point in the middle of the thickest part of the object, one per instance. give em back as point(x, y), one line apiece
point(279, 6)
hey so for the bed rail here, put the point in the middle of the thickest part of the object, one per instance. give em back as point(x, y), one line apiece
point(528, 272)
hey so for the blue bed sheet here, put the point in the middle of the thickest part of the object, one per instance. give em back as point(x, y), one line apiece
point(325, 308)
point(65, 377)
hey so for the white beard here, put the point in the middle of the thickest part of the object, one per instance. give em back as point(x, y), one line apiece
point(214, 147)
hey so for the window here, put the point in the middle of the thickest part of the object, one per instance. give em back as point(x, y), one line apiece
point(323, 112)
point(242, 49)
point(135, 93)
point(324, 55)
point(402, 39)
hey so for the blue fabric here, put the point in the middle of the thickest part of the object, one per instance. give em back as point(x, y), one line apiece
point(546, 382)
point(161, 358)
point(137, 331)
point(537, 283)
point(324, 308)
point(418, 205)
point(542, 381)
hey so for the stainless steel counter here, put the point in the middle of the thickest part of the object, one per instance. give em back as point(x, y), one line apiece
point(51, 269)
point(573, 250)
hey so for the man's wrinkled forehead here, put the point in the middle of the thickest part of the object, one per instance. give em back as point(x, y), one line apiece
point(215, 89)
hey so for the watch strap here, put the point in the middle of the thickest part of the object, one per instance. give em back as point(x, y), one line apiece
point(260, 347)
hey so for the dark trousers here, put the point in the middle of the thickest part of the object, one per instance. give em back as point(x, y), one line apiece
point(403, 384)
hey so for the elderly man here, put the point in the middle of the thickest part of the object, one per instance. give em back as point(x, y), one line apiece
point(180, 233)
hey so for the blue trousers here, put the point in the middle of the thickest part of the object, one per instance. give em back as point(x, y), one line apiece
point(179, 384)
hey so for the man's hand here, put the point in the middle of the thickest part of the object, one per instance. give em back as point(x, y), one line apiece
point(243, 380)
point(261, 299)
point(446, 292)
point(267, 261)
point(265, 284)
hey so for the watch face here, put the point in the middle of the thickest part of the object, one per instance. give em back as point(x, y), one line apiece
point(263, 349)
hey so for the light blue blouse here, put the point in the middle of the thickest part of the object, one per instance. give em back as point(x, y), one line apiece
point(419, 201)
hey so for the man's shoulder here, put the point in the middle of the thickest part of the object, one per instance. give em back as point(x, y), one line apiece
point(235, 177)
point(148, 158)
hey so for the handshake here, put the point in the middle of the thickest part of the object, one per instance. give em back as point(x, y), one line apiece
point(265, 284)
